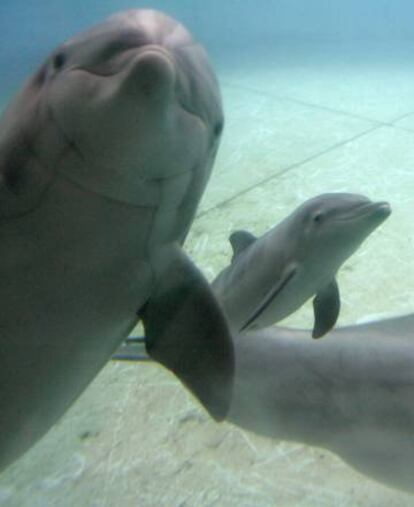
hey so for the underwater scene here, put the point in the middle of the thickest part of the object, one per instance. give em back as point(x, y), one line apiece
point(230, 184)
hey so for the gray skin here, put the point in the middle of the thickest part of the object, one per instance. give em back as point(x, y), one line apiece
point(104, 156)
point(272, 276)
point(351, 393)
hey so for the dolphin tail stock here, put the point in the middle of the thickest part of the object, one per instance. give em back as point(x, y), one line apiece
point(187, 332)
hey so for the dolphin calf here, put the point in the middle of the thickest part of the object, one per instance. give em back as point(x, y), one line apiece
point(351, 393)
point(272, 276)
point(104, 156)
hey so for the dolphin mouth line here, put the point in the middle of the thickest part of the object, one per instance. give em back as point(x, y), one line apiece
point(364, 210)
point(136, 52)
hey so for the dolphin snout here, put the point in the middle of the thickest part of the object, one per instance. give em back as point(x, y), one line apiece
point(383, 207)
point(380, 210)
point(152, 73)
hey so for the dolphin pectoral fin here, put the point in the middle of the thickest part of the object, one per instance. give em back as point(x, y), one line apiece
point(186, 332)
point(284, 280)
point(326, 307)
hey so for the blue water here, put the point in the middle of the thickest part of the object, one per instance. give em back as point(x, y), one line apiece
point(29, 29)
point(319, 97)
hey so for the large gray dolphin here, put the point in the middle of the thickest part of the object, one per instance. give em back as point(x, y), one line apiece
point(272, 276)
point(351, 393)
point(104, 155)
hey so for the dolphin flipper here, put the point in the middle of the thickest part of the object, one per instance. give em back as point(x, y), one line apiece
point(326, 307)
point(186, 331)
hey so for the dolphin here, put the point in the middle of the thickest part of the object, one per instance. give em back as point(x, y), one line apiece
point(272, 276)
point(104, 156)
point(351, 393)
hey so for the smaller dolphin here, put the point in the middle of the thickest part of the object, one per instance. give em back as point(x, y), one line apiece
point(272, 276)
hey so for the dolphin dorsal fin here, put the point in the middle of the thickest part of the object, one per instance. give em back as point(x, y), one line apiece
point(240, 240)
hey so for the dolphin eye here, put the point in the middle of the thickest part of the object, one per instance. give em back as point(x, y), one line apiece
point(218, 129)
point(59, 61)
point(318, 217)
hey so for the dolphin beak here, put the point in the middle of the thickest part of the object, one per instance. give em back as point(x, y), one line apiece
point(380, 210)
point(152, 74)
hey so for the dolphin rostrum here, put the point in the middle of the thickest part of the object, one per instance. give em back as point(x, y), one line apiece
point(104, 156)
point(272, 276)
point(351, 393)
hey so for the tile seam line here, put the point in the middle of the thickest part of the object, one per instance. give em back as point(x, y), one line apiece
point(312, 105)
point(402, 116)
point(287, 169)
point(404, 129)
